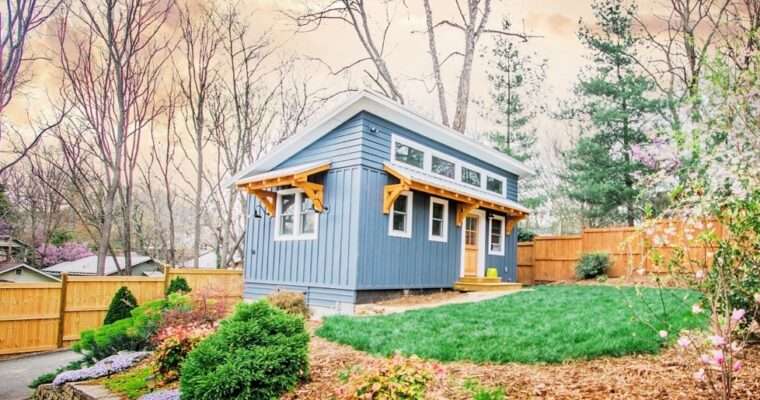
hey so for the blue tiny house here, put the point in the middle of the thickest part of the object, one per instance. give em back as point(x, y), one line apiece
point(374, 199)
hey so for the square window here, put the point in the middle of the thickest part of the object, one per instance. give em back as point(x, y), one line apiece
point(295, 217)
point(470, 177)
point(495, 185)
point(409, 155)
point(400, 218)
point(443, 167)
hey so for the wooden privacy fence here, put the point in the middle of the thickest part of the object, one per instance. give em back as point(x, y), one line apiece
point(553, 258)
point(47, 316)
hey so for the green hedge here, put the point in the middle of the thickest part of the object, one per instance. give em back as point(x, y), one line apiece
point(259, 353)
point(592, 265)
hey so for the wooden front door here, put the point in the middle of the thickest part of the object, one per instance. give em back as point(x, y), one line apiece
point(471, 241)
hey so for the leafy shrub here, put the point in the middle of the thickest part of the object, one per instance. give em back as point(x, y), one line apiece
point(122, 304)
point(48, 377)
point(175, 344)
point(290, 302)
point(398, 379)
point(178, 285)
point(525, 235)
point(592, 265)
point(132, 384)
point(259, 353)
point(131, 333)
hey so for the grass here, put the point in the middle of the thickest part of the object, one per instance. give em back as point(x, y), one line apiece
point(549, 324)
point(131, 384)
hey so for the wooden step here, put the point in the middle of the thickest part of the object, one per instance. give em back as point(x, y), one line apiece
point(479, 279)
point(486, 287)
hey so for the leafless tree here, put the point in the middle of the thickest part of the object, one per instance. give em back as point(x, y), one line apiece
point(740, 31)
point(18, 19)
point(110, 54)
point(472, 23)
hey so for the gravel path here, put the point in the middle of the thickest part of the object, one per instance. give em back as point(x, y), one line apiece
point(19, 372)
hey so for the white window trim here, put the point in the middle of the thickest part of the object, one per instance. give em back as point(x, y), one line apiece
point(501, 235)
point(296, 218)
point(427, 164)
point(444, 224)
point(407, 232)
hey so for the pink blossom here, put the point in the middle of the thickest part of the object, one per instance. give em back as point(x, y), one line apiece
point(663, 334)
point(718, 357)
point(700, 274)
point(737, 366)
point(684, 342)
point(738, 315)
point(705, 359)
point(696, 309)
point(700, 375)
point(717, 340)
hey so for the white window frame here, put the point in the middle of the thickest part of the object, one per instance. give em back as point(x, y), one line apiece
point(297, 234)
point(444, 222)
point(501, 235)
point(427, 164)
point(407, 232)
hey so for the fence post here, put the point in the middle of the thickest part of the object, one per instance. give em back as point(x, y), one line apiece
point(167, 268)
point(62, 308)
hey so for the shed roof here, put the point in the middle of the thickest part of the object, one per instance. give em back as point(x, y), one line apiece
point(391, 111)
point(10, 266)
point(88, 265)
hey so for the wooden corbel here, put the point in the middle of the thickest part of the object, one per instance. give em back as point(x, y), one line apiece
point(391, 193)
point(463, 209)
point(511, 223)
point(314, 191)
point(268, 200)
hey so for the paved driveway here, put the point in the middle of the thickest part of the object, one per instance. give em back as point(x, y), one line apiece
point(17, 373)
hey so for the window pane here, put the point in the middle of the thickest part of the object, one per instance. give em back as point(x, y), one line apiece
point(400, 204)
point(495, 226)
point(288, 202)
point(494, 185)
point(308, 222)
point(437, 211)
point(437, 228)
point(409, 155)
point(470, 176)
point(286, 225)
point(443, 167)
point(399, 222)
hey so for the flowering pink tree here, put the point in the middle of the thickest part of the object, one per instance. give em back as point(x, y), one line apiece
point(51, 254)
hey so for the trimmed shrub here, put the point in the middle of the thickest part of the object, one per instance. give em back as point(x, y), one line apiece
point(525, 235)
point(178, 285)
point(122, 304)
point(259, 353)
point(290, 302)
point(592, 265)
point(131, 333)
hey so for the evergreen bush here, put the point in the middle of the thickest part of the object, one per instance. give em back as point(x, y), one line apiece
point(259, 353)
point(592, 265)
point(122, 304)
point(178, 285)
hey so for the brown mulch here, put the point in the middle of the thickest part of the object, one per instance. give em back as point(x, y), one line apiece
point(414, 299)
point(664, 376)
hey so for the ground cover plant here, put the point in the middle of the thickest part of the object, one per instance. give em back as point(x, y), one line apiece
point(131, 384)
point(549, 324)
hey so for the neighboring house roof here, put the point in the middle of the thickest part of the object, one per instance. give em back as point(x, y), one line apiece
point(11, 266)
point(205, 260)
point(391, 111)
point(465, 190)
point(89, 265)
point(7, 241)
point(153, 274)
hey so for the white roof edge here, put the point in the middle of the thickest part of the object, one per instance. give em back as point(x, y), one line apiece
point(283, 172)
point(29, 267)
point(393, 112)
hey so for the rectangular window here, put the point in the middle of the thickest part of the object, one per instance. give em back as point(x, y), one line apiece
point(295, 217)
point(470, 177)
point(400, 219)
point(409, 155)
point(496, 236)
point(495, 185)
point(439, 219)
point(443, 167)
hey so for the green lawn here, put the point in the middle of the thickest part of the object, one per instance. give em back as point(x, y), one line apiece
point(548, 324)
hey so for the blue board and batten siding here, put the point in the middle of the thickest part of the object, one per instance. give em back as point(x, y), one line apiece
point(353, 250)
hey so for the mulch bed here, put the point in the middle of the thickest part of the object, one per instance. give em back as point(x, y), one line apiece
point(664, 376)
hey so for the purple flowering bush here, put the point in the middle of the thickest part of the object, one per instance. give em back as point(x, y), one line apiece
point(107, 366)
point(51, 254)
point(168, 394)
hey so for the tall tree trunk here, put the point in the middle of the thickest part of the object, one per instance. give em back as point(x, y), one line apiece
point(436, 63)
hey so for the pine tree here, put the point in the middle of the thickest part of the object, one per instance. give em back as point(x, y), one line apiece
point(178, 285)
point(122, 304)
point(614, 101)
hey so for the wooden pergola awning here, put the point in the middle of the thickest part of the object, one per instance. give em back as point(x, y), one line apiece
point(468, 199)
point(297, 176)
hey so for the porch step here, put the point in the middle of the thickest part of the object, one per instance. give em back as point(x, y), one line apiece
point(479, 279)
point(486, 286)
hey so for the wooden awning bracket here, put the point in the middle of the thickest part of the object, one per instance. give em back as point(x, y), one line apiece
point(463, 209)
point(511, 223)
point(314, 191)
point(267, 199)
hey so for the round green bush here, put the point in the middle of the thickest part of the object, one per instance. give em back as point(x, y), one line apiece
point(259, 353)
point(178, 285)
point(592, 265)
point(122, 304)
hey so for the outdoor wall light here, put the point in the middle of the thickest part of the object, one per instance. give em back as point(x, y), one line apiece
point(258, 211)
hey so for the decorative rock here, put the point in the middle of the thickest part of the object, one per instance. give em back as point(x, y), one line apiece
point(74, 391)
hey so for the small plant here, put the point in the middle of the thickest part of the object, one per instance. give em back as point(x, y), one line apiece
point(602, 278)
point(259, 353)
point(592, 265)
point(525, 235)
point(290, 302)
point(175, 344)
point(480, 392)
point(122, 304)
point(178, 285)
point(399, 379)
point(132, 384)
